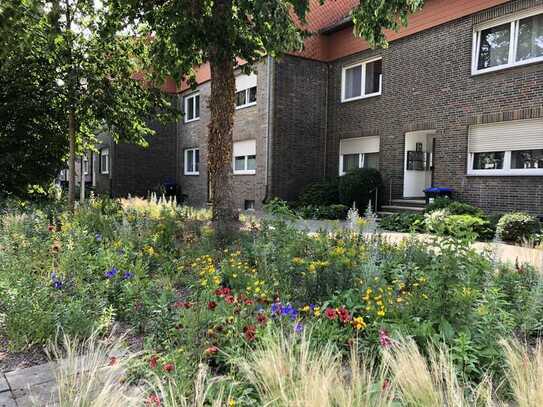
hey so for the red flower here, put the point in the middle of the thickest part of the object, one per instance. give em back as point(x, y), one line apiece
point(183, 304)
point(211, 350)
point(344, 315)
point(223, 291)
point(262, 319)
point(211, 305)
point(386, 385)
point(384, 339)
point(153, 400)
point(249, 332)
point(330, 313)
point(168, 367)
point(112, 361)
point(248, 301)
point(51, 228)
point(153, 362)
point(229, 299)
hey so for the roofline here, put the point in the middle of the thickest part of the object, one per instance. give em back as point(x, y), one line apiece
point(340, 25)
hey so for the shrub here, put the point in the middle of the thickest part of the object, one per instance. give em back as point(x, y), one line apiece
point(454, 207)
point(322, 193)
point(517, 226)
point(403, 222)
point(331, 212)
point(359, 186)
point(278, 207)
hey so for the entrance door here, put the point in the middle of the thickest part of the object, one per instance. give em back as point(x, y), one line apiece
point(417, 163)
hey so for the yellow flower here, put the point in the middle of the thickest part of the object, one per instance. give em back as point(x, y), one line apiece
point(399, 300)
point(317, 311)
point(312, 268)
point(231, 403)
point(424, 296)
point(305, 308)
point(339, 251)
point(358, 323)
point(381, 313)
point(297, 261)
point(216, 280)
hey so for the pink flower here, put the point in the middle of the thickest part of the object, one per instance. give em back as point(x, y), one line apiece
point(112, 361)
point(384, 339)
point(230, 299)
point(330, 313)
point(168, 367)
point(153, 400)
point(211, 305)
point(344, 315)
point(153, 362)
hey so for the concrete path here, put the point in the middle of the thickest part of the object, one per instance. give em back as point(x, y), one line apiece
point(33, 386)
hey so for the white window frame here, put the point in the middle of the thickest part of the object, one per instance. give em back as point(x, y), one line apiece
point(514, 20)
point(246, 104)
point(361, 161)
point(363, 94)
point(85, 165)
point(245, 149)
point(245, 171)
point(192, 98)
point(505, 171)
point(191, 171)
point(104, 152)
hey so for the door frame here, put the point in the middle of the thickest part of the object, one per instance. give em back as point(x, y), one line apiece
point(413, 180)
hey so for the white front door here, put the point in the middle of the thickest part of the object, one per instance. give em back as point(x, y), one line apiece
point(417, 159)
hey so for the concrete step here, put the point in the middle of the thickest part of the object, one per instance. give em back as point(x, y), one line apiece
point(401, 208)
point(409, 202)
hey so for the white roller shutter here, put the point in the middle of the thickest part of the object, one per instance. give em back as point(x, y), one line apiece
point(242, 148)
point(506, 136)
point(359, 145)
point(245, 81)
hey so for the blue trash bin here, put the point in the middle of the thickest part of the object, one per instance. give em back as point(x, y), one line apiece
point(437, 192)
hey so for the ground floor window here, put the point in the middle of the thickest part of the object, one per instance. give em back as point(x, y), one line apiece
point(362, 152)
point(506, 148)
point(192, 161)
point(245, 157)
point(104, 161)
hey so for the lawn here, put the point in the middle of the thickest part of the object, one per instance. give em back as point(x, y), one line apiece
point(277, 317)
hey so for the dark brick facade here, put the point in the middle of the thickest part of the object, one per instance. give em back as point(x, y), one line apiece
point(428, 85)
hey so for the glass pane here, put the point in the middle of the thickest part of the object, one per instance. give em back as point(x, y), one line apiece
point(353, 82)
point(252, 95)
point(488, 161)
point(197, 106)
point(527, 159)
point(239, 163)
point(373, 76)
point(530, 38)
point(190, 108)
point(371, 160)
point(240, 98)
point(197, 160)
point(190, 161)
point(494, 49)
point(351, 162)
point(251, 162)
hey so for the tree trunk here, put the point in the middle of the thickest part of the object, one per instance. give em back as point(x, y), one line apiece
point(83, 178)
point(221, 105)
point(71, 160)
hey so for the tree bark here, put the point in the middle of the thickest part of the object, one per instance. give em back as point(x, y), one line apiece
point(71, 160)
point(221, 106)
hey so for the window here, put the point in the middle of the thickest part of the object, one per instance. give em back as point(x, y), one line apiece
point(506, 148)
point(249, 205)
point(192, 161)
point(362, 80)
point(104, 161)
point(513, 41)
point(85, 164)
point(356, 153)
point(192, 107)
point(246, 97)
point(245, 157)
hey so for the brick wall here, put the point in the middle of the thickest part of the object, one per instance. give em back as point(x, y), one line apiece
point(427, 85)
point(249, 123)
point(299, 120)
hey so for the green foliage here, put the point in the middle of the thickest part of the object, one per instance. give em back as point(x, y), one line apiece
point(322, 193)
point(359, 186)
point(331, 212)
point(402, 222)
point(278, 207)
point(454, 207)
point(517, 227)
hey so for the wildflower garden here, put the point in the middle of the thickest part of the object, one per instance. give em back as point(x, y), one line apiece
point(277, 317)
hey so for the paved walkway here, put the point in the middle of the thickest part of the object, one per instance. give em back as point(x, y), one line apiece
point(33, 386)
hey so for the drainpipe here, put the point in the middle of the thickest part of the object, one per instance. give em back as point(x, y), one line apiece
point(269, 124)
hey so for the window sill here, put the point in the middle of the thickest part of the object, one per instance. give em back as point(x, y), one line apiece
point(361, 97)
point(246, 105)
point(246, 172)
point(191, 174)
point(479, 72)
point(506, 173)
point(192, 120)
point(104, 173)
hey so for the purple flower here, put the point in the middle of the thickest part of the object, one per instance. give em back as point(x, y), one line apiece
point(384, 339)
point(289, 311)
point(98, 237)
point(298, 328)
point(56, 282)
point(111, 273)
point(127, 275)
point(276, 308)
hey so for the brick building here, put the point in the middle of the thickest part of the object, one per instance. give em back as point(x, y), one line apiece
point(455, 101)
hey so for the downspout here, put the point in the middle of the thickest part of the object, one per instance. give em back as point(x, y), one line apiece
point(269, 124)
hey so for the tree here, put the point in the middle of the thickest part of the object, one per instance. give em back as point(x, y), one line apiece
point(32, 128)
point(95, 63)
point(187, 33)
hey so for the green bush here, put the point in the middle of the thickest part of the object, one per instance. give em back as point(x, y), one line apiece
point(454, 207)
point(359, 186)
point(403, 222)
point(322, 193)
point(278, 207)
point(517, 226)
point(331, 212)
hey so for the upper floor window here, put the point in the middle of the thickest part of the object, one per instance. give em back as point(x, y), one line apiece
point(192, 107)
point(245, 157)
point(506, 148)
point(192, 161)
point(362, 80)
point(86, 164)
point(246, 97)
point(513, 41)
point(104, 161)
